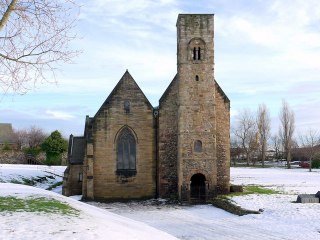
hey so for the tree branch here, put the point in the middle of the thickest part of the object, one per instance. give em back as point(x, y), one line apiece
point(7, 13)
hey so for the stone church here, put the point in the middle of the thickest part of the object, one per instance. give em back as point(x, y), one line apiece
point(180, 149)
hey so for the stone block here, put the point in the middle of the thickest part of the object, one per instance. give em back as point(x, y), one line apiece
point(307, 198)
point(236, 188)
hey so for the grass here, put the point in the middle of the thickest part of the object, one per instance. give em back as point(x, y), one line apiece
point(40, 204)
point(249, 166)
point(32, 181)
point(15, 181)
point(54, 185)
point(253, 190)
point(259, 190)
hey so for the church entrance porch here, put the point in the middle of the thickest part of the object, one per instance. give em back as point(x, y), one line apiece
point(198, 191)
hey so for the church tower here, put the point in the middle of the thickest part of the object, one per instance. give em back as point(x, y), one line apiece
point(194, 119)
point(197, 159)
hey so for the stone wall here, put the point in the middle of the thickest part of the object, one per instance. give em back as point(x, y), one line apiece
point(19, 157)
point(107, 124)
point(167, 142)
point(72, 182)
point(223, 140)
point(12, 157)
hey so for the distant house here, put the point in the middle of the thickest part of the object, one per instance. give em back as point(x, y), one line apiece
point(303, 153)
point(6, 135)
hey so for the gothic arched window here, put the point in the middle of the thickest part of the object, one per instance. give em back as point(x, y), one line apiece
point(126, 153)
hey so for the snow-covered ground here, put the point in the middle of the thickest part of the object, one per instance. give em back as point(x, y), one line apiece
point(91, 223)
point(281, 217)
point(42, 176)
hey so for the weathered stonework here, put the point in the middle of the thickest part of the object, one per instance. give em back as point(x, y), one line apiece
point(168, 142)
point(223, 140)
point(180, 149)
point(72, 184)
point(12, 157)
point(107, 124)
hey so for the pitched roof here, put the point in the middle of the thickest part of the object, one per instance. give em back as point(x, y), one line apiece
point(126, 75)
point(225, 97)
point(168, 88)
point(76, 149)
point(6, 133)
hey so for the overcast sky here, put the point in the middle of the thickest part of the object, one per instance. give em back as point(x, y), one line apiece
point(265, 51)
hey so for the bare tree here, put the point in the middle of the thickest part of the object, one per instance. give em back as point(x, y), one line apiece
point(36, 136)
point(34, 38)
point(286, 130)
point(235, 149)
point(310, 142)
point(246, 133)
point(263, 123)
point(20, 136)
point(276, 142)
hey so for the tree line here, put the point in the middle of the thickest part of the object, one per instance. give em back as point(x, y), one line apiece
point(251, 136)
point(34, 140)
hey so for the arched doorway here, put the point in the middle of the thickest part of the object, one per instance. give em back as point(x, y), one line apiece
point(198, 187)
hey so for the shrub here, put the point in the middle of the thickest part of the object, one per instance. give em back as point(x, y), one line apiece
point(6, 147)
point(316, 164)
point(34, 151)
point(316, 161)
point(54, 146)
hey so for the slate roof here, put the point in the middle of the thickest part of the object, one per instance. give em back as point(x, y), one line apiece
point(6, 133)
point(76, 150)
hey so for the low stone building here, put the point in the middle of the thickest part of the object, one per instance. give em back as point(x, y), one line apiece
point(6, 136)
point(180, 149)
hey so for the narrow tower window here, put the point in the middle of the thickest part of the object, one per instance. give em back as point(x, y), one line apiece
point(194, 53)
point(199, 53)
point(197, 78)
point(197, 146)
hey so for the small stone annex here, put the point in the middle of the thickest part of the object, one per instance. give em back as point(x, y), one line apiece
point(180, 149)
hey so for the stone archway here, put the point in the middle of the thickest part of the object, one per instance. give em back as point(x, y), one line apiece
point(198, 187)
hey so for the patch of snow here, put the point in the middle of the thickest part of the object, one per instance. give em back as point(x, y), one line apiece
point(76, 197)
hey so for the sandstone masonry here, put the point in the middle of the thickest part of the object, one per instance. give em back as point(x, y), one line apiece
point(180, 149)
